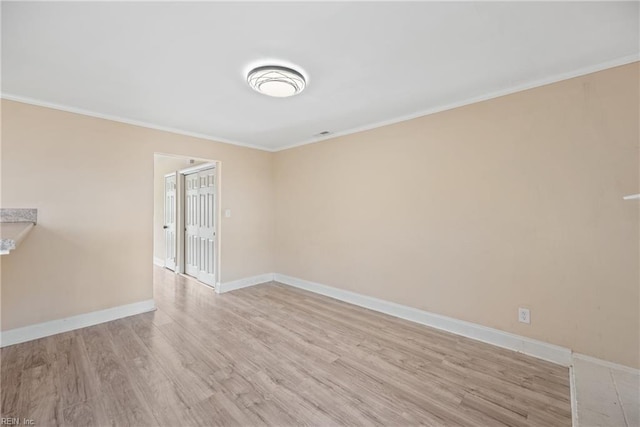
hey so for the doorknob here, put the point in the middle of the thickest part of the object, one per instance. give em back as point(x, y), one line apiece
point(165, 226)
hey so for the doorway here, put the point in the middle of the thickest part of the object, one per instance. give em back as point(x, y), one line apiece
point(186, 210)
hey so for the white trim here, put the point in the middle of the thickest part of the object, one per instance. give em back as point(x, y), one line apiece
point(39, 103)
point(41, 330)
point(574, 399)
point(244, 283)
point(632, 197)
point(606, 364)
point(219, 200)
point(198, 168)
point(180, 228)
point(158, 261)
point(531, 347)
point(176, 224)
point(496, 94)
point(508, 91)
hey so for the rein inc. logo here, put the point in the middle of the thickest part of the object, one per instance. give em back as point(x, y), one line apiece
point(17, 422)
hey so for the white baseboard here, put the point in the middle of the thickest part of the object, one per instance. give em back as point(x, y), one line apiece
point(531, 347)
point(244, 283)
point(606, 364)
point(158, 261)
point(41, 330)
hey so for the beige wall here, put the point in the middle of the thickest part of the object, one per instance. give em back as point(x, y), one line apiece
point(470, 213)
point(92, 182)
point(164, 165)
point(474, 212)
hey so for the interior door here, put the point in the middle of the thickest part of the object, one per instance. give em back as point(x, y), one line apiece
point(170, 221)
point(206, 229)
point(191, 225)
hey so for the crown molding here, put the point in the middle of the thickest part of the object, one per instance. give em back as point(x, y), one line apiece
point(496, 94)
point(461, 103)
point(68, 109)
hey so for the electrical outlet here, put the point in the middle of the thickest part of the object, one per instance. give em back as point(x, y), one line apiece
point(524, 315)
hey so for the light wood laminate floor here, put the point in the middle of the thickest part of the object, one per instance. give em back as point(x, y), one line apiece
point(274, 355)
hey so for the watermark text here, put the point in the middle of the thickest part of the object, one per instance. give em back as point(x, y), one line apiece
point(5, 421)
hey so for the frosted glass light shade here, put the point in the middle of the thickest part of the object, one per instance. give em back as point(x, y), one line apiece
point(276, 81)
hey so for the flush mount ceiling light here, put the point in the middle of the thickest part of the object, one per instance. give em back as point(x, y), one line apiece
point(275, 80)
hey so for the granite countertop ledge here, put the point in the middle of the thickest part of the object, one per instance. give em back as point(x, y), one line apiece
point(15, 224)
point(18, 215)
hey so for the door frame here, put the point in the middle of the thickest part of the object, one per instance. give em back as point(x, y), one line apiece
point(175, 223)
point(180, 225)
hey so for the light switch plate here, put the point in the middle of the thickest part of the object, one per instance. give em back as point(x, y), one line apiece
point(227, 213)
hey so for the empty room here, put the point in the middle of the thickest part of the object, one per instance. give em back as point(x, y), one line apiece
point(320, 213)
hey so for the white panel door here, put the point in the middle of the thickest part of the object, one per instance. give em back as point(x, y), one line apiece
point(170, 221)
point(191, 225)
point(206, 230)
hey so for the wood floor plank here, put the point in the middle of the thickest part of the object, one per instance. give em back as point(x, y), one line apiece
point(11, 363)
point(73, 370)
point(274, 355)
point(122, 403)
point(87, 413)
point(501, 414)
point(219, 410)
point(157, 390)
point(39, 391)
point(176, 362)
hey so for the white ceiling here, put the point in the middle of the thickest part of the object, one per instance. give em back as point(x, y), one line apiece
point(183, 66)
